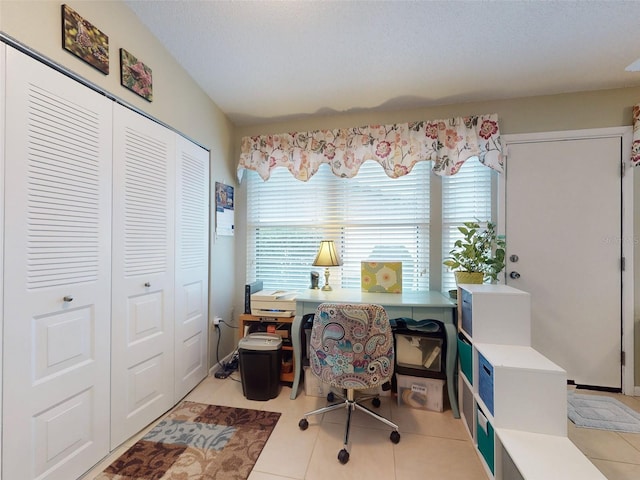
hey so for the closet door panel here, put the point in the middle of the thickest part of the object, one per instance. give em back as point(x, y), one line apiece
point(142, 372)
point(56, 339)
point(192, 265)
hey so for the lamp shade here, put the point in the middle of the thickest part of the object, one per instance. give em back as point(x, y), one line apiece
point(327, 255)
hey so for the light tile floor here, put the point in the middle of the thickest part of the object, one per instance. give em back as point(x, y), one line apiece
point(433, 445)
point(617, 455)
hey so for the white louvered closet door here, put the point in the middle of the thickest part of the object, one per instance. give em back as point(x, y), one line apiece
point(142, 356)
point(192, 265)
point(57, 282)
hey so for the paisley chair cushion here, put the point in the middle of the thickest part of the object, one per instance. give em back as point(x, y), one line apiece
point(351, 345)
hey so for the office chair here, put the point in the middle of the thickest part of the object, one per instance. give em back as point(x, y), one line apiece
point(351, 349)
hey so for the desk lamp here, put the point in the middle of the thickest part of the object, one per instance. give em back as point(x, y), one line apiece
point(326, 257)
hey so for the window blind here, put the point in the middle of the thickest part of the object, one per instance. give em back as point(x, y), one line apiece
point(466, 197)
point(369, 216)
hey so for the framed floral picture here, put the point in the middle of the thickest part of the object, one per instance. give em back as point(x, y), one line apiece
point(84, 40)
point(381, 277)
point(135, 75)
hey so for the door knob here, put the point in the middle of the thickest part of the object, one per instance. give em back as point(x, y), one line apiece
point(148, 284)
point(514, 275)
point(68, 298)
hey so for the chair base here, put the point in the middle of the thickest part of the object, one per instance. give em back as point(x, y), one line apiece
point(351, 404)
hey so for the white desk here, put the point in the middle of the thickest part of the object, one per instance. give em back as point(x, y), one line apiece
point(419, 306)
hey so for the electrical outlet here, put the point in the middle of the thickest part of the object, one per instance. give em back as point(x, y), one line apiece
point(216, 321)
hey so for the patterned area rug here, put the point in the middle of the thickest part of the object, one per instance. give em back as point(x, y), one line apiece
point(197, 442)
point(605, 413)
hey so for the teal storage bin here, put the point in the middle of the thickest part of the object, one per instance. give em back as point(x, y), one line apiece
point(466, 357)
point(486, 440)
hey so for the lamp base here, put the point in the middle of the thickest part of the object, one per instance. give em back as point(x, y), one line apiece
point(326, 287)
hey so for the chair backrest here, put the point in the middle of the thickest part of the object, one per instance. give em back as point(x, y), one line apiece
point(351, 345)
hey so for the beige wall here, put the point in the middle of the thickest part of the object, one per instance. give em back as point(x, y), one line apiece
point(177, 102)
point(598, 109)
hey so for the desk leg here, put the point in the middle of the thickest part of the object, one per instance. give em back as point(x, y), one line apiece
point(452, 355)
point(296, 340)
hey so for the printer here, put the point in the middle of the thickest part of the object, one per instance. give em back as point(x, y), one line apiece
point(273, 303)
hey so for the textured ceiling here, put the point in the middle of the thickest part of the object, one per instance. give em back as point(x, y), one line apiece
point(263, 61)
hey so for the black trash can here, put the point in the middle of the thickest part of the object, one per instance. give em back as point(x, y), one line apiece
point(260, 357)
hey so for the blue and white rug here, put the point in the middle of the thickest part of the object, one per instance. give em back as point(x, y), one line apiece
point(605, 413)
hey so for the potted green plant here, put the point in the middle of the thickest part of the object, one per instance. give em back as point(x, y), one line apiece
point(481, 253)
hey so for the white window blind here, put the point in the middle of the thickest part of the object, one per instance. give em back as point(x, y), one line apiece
point(466, 197)
point(370, 217)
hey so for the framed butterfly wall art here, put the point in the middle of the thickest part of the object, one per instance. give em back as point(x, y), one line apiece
point(84, 40)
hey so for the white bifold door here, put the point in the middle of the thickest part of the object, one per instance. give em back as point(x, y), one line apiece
point(191, 265)
point(105, 280)
point(57, 276)
point(160, 271)
point(142, 329)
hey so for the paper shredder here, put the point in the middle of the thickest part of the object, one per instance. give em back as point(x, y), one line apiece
point(260, 357)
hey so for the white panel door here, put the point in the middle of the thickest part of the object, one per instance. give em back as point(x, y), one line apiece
point(142, 359)
point(563, 221)
point(192, 265)
point(55, 415)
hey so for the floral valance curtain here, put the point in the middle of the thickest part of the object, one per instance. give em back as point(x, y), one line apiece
point(397, 148)
point(635, 146)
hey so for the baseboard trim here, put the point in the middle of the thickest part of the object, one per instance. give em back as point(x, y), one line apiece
point(598, 388)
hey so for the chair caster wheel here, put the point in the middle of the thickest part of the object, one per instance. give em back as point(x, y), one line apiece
point(330, 397)
point(395, 437)
point(304, 424)
point(343, 456)
point(375, 402)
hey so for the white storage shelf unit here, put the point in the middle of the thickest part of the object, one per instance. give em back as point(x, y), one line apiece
point(466, 401)
point(513, 399)
point(502, 314)
point(521, 389)
point(490, 314)
point(537, 456)
point(516, 388)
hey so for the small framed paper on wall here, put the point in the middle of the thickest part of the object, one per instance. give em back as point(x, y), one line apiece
point(224, 209)
point(135, 75)
point(84, 40)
